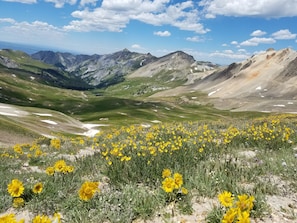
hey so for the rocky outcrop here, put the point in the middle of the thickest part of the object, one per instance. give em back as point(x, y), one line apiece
point(5, 61)
point(97, 69)
point(271, 74)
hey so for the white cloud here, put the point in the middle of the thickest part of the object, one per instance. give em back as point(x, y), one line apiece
point(114, 15)
point(22, 1)
point(163, 34)
point(7, 20)
point(242, 50)
point(42, 31)
point(255, 41)
point(88, 2)
point(97, 20)
point(61, 3)
point(228, 55)
point(283, 34)
point(234, 42)
point(194, 39)
point(228, 51)
point(257, 8)
point(258, 33)
point(224, 44)
point(136, 46)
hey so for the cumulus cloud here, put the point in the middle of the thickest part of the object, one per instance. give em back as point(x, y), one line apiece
point(255, 41)
point(194, 39)
point(283, 34)
point(256, 8)
point(7, 20)
point(61, 3)
point(228, 51)
point(242, 50)
point(136, 46)
point(228, 55)
point(87, 2)
point(234, 42)
point(114, 15)
point(41, 30)
point(258, 33)
point(163, 34)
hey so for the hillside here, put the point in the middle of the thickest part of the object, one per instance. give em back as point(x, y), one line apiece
point(264, 82)
point(170, 88)
point(97, 70)
point(21, 65)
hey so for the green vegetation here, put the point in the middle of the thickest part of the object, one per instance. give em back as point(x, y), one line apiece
point(154, 173)
point(155, 161)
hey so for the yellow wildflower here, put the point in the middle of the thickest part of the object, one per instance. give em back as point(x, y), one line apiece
point(37, 188)
point(178, 179)
point(166, 173)
point(88, 190)
point(226, 199)
point(57, 218)
point(69, 169)
point(41, 219)
point(245, 203)
point(229, 216)
point(60, 166)
point(50, 171)
point(18, 149)
point(56, 143)
point(243, 217)
point(184, 190)
point(18, 202)
point(15, 188)
point(10, 218)
point(168, 184)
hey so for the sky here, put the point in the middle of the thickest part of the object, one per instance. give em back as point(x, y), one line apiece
point(220, 31)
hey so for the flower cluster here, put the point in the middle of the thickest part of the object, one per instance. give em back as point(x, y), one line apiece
point(55, 143)
point(17, 191)
point(10, 218)
point(172, 184)
point(237, 208)
point(45, 219)
point(88, 190)
point(60, 166)
point(28, 150)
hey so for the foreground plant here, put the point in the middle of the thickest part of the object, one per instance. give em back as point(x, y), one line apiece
point(46, 219)
point(15, 188)
point(60, 166)
point(237, 209)
point(19, 193)
point(172, 185)
point(10, 218)
point(88, 190)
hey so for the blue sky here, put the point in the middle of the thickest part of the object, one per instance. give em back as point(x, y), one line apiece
point(220, 31)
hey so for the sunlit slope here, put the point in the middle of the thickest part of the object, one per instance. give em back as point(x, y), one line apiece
point(20, 64)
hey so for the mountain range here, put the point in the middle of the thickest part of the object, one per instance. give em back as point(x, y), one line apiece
point(129, 87)
point(270, 74)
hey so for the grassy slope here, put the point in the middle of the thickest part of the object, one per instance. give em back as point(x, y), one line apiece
point(122, 104)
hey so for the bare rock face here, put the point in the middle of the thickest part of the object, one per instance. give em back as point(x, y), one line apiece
point(263, 82)
point(5, 61)
point(269, 74)
point(178, 64)
point(96, 69)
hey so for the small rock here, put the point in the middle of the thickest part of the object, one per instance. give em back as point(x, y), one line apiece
point(247, 154)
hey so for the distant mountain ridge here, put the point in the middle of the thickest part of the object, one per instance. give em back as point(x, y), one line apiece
point(105, 70)
point(95, 69)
